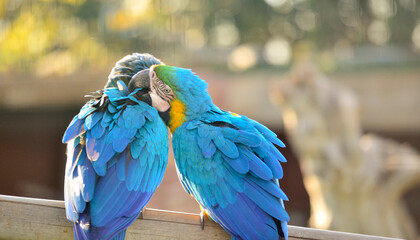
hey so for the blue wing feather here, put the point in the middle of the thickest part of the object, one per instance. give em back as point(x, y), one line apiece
point(121, 165)
point(86, 110)
point(265, 201)
point(88, 178)
point(240, 164)
point(236, 182)
point(92, 119)
point(269, 186)
point(135, 173)
point(97, 131)
point(227, 147)
point(209, 150)
point(267, 133)
point(107, 185)
point(257, 166)
point(94, 146)
point(75, 128)
point(78, 202)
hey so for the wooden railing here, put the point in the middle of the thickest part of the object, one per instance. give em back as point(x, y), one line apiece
point(31, 218)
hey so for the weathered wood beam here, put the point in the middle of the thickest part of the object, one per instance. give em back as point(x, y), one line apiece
point(31, 218)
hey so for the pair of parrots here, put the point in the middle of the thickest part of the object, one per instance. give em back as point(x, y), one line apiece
point(117, 151)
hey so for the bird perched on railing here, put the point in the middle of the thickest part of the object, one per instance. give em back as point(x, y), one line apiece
point(226, 161)
point(117, 150)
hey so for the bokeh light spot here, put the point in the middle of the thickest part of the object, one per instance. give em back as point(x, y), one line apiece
point(276, 3)
point(277, 52)
point(242, 58)
point(306, 20)
point(136, 7)
point(378, 32)
point(172, 6)
point(195, 39)
point(382, 9)
point(226, 35)
point(416, 37)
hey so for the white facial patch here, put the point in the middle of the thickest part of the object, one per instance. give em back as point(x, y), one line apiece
point(160, 93)
point(158, 103)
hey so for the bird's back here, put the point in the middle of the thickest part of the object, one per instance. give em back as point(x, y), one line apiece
point(230, 165)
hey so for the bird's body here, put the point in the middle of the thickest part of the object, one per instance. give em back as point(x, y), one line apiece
point(117, 148)
point(226, 161)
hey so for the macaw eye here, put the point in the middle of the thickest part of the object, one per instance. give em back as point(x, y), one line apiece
point(167, 90)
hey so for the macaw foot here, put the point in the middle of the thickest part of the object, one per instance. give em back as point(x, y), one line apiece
point(202, 213)
point(203, 216)
point(141, 214)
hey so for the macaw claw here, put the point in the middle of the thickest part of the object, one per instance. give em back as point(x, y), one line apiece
point(202, 214)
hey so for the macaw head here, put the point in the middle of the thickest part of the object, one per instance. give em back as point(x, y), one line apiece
point(169, 84)
point(128, 66)
point(133, 71)
point(177, 93)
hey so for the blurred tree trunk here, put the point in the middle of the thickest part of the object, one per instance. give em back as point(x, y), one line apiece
point(355, 182)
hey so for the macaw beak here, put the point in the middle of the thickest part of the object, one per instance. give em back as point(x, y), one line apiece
point(141, 80)
point(157, 102)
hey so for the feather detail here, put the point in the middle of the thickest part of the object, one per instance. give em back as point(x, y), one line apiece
point(226, 161)
point(88, 178)
point(97, 131)
point(102, 140)
point(270, 187)
point(85, 111)
point(94, 147)
point(120, 166)
point(265, 201)
point(257, 166)
point(74, 129)
point(226, 146)
point(92, 119)
point(240, 165)
point(78, 202)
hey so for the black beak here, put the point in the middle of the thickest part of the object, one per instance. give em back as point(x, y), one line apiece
point(141, 80)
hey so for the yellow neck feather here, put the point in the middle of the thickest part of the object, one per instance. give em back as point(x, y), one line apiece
point(176, 114)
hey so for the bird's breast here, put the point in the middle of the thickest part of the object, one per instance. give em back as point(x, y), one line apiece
point(176, 114)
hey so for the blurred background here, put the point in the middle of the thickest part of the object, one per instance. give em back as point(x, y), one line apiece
point(338, 81)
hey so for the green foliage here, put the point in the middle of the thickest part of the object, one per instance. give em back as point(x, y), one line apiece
point(60, 36)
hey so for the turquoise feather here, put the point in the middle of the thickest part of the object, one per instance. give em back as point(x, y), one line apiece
point(117, 149)
point(227, 162)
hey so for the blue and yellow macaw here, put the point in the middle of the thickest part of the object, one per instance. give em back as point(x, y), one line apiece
point(117, 149)
point(226, 161)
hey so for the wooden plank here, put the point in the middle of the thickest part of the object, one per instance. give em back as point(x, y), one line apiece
point(30, 218)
